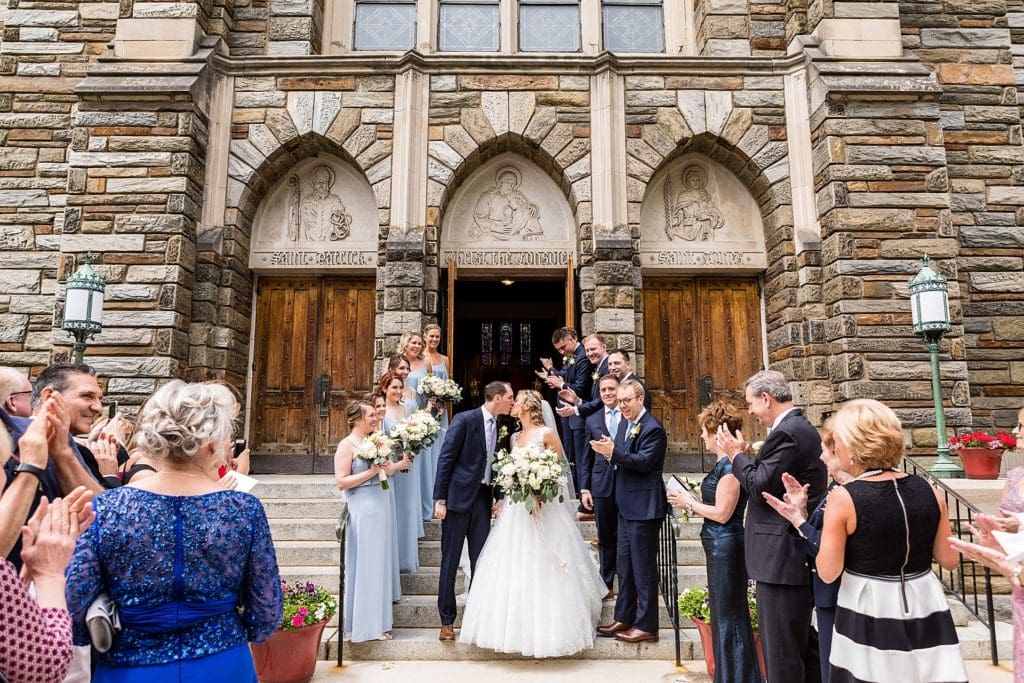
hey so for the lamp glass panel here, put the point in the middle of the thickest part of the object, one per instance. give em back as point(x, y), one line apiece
point(77, 305)
point(97, 308)
point(933, 307)
point(915, 306)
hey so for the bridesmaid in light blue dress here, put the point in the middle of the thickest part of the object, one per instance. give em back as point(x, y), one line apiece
point(369, 559)
point(438, 363)
point(405, 485)
point(379, 408)
point(411, 346)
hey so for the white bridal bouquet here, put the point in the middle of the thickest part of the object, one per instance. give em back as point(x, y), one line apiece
point(376, 449)
point(414, 432)
point(530, 474)
point(444, 390)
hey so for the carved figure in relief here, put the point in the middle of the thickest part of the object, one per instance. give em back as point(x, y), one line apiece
point(320, 216)
point(505, 212)
point(691, 215)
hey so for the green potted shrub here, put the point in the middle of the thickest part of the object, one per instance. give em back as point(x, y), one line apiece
point(695, 604)
point(289, 656)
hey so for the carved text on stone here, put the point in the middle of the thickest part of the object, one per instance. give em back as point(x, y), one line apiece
point(528, 259)
point(320, 258)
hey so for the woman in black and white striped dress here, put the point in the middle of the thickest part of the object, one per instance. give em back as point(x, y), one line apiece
point(881, 533)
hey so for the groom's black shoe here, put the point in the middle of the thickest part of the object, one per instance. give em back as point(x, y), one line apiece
point(611, 629)
point(447, 632)
point(635, 635)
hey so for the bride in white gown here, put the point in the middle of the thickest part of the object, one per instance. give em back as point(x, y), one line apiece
point(537, 590)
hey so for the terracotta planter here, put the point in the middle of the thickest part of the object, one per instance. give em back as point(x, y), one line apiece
point(704, 629)
point(981, 463)
point(288, 656)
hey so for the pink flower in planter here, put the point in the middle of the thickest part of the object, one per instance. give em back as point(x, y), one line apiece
point(298, 620)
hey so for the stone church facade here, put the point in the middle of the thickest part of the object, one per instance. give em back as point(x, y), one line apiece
point(814, 148)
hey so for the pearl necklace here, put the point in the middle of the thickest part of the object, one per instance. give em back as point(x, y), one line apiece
point(869, 473)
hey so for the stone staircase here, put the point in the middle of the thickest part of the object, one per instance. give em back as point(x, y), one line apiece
point(303, 511)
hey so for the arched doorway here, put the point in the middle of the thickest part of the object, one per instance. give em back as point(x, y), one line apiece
point(314, 253)
point(702, 252)
point(508, 254)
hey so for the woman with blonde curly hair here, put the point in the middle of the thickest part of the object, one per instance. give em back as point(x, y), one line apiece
point(190, 566)
point(882, 531)
point(532, 562)
point(721, 504)
point(411, 346)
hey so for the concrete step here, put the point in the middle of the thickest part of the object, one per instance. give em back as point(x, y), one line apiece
point(422, 644)
point(296, 486)
point(424, 582)
point(303, 530)
point(308, 553)
point(420, 611)
point(303, 508)
point(688, 553)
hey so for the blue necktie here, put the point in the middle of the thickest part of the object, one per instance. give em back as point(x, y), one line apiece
point(613, 422)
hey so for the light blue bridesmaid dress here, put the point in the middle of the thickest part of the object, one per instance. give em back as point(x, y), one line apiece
point(435, 451)
point(426, 462)
point(370, 563)
point(408, 522)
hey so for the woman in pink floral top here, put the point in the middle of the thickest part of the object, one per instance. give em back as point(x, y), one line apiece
point(35, 633)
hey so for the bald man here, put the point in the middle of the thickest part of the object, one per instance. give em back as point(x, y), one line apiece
point(15, 393)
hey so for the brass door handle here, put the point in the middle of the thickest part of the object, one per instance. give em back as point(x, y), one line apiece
point(323, 395)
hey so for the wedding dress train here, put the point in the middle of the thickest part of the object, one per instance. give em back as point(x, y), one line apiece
point(537, 590)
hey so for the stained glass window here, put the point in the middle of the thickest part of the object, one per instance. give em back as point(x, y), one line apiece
point(468, 26)
point(633, 26)
point(525, 342)
point(486, 344)
point(549, 25)
point(505, 342)
point(385, 24)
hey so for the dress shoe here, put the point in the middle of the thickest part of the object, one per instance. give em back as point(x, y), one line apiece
point(594, 542)
point(447, 632)
point(635, 635)
point(611, 629)
point(585, 516)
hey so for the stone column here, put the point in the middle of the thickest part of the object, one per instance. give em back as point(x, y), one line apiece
point(401, 306)
point(295, 27)
point(614, 310)
point(722, 27)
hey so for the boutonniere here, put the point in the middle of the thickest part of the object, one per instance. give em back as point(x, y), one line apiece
point(755, 448)
point(595, 375)
point(502, 433)
point(569, 360)
point(634, 431)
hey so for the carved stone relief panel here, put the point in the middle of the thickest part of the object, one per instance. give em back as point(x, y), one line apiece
point(508, 213)
point(697, 215)
point(319, 215)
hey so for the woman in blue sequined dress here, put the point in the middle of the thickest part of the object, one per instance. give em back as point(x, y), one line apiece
point(408, 521)
point(721, 504)
point(190, 566)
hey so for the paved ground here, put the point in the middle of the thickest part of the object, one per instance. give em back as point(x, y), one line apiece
point(558, 671)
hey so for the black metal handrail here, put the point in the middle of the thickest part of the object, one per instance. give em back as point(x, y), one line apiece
point(668, 576)
point(340, 532)
point(961, 513)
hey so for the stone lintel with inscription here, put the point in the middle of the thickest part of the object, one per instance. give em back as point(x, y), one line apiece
point(327, 258)
point(725, 256)
point(510, 258)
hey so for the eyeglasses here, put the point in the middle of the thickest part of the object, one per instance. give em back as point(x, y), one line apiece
point(19, 393)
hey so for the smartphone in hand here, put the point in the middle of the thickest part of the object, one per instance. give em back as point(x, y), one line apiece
point(240, 446)
point(111, 410)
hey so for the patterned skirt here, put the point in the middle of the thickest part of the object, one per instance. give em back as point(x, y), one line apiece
point(890, 630)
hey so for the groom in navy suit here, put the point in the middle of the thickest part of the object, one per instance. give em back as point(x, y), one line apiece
point(464, 498)
point(638, 455)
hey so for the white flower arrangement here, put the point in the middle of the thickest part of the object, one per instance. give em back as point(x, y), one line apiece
point(595, 375)
point(503, 433)
point(755, 448)
point(569, 360)
point(634, 432)
point(376, 449)
point(530, 474)
point(444, 390)
point(415, 432)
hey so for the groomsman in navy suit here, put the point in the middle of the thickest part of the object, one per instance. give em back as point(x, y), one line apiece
point(638, 454)
point(583, 406)
point(619, 365)
point(575, 375)
point(597, 478)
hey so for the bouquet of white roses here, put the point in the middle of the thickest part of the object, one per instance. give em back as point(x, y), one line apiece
point(444, 390)
point(376, 449)
point(530, 474)
point(415, 432)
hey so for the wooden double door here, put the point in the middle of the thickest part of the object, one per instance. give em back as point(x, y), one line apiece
point(314, 353)
point(702, 340)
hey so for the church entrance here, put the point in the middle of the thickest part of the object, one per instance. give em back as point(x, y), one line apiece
point(702, 340)
point(501, 329)
point(313, 354)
